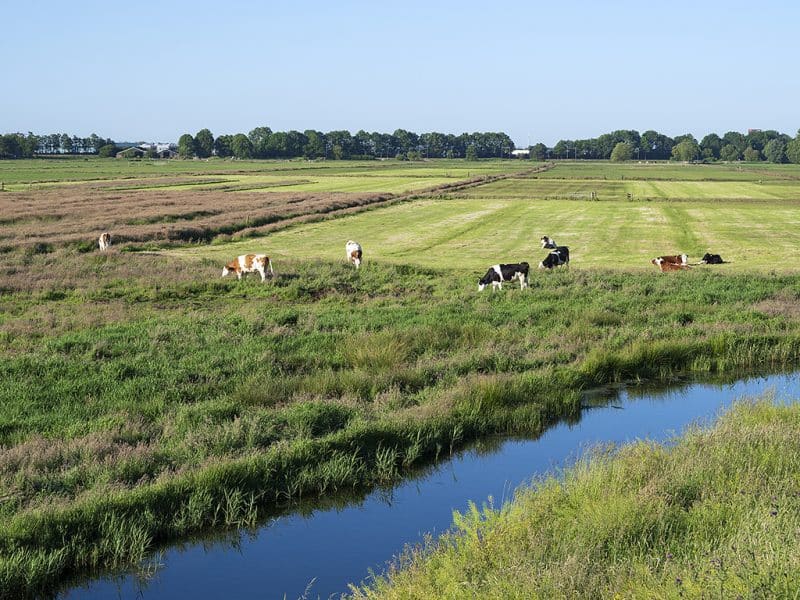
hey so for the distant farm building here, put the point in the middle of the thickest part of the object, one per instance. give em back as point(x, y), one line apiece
point(155, 150)
point(521, 153)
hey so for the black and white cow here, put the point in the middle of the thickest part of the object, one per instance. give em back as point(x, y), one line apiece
point(557, 257)
point(497, 274)
point(548, 243)
point(711, 259)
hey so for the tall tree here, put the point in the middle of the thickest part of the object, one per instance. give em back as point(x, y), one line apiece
point(222, 146)
point(561, 148)
point(259, 138)
point(65, 143)
point(775, 151)
point(315, 144)
point(204, 143)
point(277, 145)
point(622, 152)
point(729, 152)
point(186, 146)
point(241, 146)
point(339, 143)
point(735, 139)
point(711, 145)
point(406, 140)
point(686, 150)
point(295, 143)
point(538, 151)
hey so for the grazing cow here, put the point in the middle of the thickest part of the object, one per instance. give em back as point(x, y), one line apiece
point(548, 243)
point(249, 263)
point(665, 265)
point(557, 257)
point(497, 274)
point(105, 241)
point(711, 259)
point(352, 251)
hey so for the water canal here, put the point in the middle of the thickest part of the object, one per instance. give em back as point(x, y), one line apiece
point(316, 552)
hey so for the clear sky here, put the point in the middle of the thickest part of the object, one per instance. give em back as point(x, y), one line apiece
point(539, 71)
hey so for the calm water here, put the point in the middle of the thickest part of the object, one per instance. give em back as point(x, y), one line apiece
point(321, 551)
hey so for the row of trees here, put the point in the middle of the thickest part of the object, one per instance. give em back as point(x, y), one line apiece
point(19, 145)
point(262, 142)
point(621, 145)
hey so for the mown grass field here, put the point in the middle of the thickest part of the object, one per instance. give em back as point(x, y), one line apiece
point(471, 234)
point(143, 398)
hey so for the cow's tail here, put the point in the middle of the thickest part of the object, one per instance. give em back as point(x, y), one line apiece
point(269, 264)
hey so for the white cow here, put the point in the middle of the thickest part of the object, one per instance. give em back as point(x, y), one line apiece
point(249, 263)
point(352, 251)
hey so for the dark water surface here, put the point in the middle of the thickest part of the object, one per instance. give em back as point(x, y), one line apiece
point(322, 550)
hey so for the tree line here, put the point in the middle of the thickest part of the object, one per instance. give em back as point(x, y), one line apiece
point(262, 142)
point(621, 145)
point(19, 145)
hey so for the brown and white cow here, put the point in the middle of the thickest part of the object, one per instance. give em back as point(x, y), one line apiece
point(352, 251)
point(105, 241)
point(249, 263)
point(667, 265)
point(674, 259)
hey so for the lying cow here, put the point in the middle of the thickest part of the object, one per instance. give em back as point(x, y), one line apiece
point(497, 274)
point(557, 257)
point(665, 265)
point(352, 251)
point(104, 241)
point(249, 263)
point(711, 259)
point(673, 259)
point(548, 243)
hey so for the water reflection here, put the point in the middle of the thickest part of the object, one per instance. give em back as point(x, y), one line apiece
point(314, 549)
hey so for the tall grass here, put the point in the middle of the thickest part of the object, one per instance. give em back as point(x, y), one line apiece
point(714, 515)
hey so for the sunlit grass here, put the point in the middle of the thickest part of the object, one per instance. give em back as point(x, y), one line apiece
point(714, 516)
point(476, 233)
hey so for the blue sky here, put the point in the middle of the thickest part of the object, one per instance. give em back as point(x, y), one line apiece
point(540, 71)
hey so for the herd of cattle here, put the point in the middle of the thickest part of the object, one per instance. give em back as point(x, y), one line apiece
point(495, 276)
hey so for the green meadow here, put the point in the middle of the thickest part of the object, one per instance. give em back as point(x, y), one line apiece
point(143, 398)
point(471, 234)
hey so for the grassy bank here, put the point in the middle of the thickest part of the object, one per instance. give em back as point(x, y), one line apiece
point(715, 515)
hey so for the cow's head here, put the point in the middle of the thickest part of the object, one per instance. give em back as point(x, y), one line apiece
point(485, 280)
point(225, 271)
